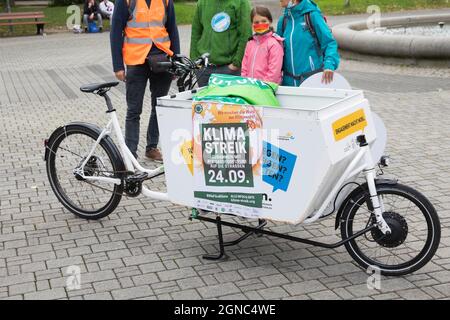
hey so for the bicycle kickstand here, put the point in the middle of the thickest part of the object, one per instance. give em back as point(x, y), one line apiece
point(221, 243)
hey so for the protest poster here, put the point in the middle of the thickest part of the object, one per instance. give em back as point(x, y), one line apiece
point(227, 158)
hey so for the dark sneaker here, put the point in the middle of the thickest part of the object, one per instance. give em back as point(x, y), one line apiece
point(85, 30)
point(101, 29)
point(154, 154)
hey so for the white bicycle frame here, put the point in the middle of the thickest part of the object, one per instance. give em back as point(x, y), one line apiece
point(131, 164)
point(352, 170)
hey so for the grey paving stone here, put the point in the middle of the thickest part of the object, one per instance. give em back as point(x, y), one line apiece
point(51, 294)
point(273, 293)
point(126, 282)
point(257, 272)
point(441, 276)
point(340, 269)
point(142, 259)
point(186, 295)
point(98, 296)
point(311, 274)
point(414, 294)
point(32, 267)
point(386, 296)
point(218, 290)
point(176, 274)
point(22, 288)
point(65, 262)
point(90, 277)
point(109, 246)
point(42, 285)
point(324, 295)
point(17, 279)
point(443, 289)
point(44, 256)
point(229, 276)
point(35, 249)
point(152, 267)
point(274, 280)
point(111, 264)
point(132, 293)
point(396, 284)
point(188, 262)
point(190, 283)
point(107, 285)
point(117, 254)
point(253, 295)
point(304, 287)
point(149, 278)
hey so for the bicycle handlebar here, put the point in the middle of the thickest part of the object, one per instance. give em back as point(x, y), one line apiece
point(180, 65)
point(185, 69)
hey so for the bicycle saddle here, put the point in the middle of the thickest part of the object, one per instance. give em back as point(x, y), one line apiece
point(98, 86)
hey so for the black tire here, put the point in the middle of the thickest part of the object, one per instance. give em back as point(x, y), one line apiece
point(429, 229)
point(67, 147)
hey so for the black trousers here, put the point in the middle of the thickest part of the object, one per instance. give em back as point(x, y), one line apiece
point(137, 78)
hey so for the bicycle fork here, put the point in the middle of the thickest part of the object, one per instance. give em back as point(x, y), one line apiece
point(370, 174)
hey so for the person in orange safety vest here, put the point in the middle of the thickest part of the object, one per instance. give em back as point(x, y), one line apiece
point(143, 32)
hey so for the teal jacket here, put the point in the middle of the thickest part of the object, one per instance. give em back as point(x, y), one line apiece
point(224, 47)
point(300, 50)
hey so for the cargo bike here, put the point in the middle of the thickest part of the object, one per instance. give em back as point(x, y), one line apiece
point(298, 164)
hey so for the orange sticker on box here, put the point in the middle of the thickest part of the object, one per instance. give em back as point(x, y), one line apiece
point(349, 124)
point(186, 150)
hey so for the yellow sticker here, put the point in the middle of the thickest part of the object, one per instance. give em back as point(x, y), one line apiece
point(186, 150)
point(349, 124)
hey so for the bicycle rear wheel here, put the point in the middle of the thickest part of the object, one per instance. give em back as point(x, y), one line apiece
point(88, 199)
point(414, 225)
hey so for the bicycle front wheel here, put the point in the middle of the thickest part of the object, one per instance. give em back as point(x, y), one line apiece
point(414, 224)
point(68, 149)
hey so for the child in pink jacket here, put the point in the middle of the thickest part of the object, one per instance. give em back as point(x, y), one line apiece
point(263, 58)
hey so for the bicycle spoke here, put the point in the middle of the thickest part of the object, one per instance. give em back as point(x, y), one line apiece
point(375, 250)
point(84, 194)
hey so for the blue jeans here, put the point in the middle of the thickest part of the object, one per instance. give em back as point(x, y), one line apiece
point(97, 17)
point(136, 83)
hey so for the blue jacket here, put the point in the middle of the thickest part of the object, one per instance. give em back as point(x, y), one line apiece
point(300, 50)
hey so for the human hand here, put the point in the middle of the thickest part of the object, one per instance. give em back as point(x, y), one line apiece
point(232, 67)
point(120, 75)
point(91, 16)
point(328, 76)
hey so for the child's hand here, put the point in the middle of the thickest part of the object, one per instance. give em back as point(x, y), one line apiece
point(232, 67)
point(327, 76)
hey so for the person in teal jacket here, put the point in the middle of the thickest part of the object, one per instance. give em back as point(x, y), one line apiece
point(305, 54)
point(220, 28)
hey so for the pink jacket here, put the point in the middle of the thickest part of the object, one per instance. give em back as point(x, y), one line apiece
point(263, 58)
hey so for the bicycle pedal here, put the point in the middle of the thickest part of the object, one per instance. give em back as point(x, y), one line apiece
point(137, 177)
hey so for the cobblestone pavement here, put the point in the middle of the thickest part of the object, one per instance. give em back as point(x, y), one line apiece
point(148, 249)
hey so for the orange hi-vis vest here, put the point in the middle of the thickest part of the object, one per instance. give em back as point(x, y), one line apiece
point(145, 28)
